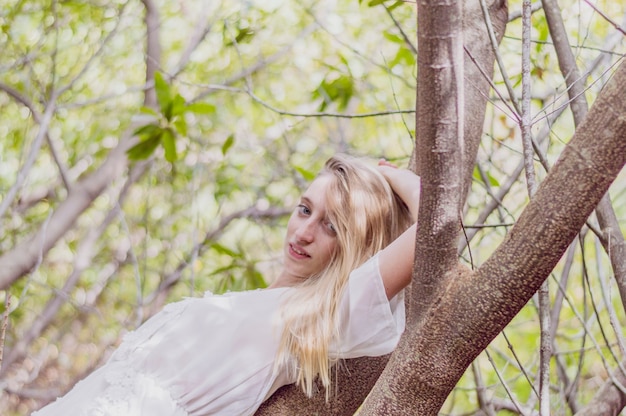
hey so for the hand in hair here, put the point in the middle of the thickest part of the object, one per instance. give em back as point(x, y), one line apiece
point(404, 182)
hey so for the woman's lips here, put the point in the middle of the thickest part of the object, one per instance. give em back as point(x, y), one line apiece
point(298, 252)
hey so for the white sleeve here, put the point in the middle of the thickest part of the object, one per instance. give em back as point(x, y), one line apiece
point(368, 323)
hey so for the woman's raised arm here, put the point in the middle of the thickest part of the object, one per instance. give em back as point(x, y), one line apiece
point(396, 260)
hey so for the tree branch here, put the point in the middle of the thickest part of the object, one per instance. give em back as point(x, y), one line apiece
point(613, 241)
point(84, 255)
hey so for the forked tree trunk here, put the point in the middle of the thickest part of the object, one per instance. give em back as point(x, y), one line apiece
point(476, 306)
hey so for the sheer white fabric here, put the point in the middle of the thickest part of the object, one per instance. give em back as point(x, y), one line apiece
point(215, 355)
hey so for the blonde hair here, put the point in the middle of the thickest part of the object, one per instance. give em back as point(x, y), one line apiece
point(367, 216)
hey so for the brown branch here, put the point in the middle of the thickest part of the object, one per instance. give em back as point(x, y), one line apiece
point(4, 325)
point(201, 30)
point(37, 117)
point(84, 255)
point(169, 281)
point(354, 380)
point(26, 254)
point(517, 14)
point(605, 17)
point(613, 241)
point(32, 155)
point(609, 400)
point(153, 50)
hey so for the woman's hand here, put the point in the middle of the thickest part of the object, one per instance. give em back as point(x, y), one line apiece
point(404, 183)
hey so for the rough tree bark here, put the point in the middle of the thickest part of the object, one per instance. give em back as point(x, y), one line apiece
point(439, 147)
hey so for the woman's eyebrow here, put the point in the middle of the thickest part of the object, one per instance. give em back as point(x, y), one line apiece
point(304, 198)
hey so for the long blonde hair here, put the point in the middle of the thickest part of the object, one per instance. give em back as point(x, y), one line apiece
point(367, 216)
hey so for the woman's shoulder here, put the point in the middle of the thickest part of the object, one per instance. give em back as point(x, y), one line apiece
point(368, 323)
point(370, 269)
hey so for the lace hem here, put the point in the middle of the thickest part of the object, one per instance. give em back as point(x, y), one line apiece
point(116, 398)
point(130, 393)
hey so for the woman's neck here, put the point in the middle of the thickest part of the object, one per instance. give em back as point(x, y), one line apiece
point(286, 280)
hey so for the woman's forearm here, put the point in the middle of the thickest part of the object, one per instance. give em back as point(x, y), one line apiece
point(404, 183)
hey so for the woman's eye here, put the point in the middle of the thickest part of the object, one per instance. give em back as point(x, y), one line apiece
point(303, 209)
point(331, 228)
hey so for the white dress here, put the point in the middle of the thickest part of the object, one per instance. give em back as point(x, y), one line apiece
point(215, 355)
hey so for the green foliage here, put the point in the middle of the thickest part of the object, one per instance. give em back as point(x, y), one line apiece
point(374, 3)
point(244, 34)
point(336, 90)
point(169, 123)
point(493, 182)
point(228, 143)
point(306, 174)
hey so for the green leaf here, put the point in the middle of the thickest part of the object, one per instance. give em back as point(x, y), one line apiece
point(228, 143)
point(225, 250)
point(394, 38)
point(147, 131)
point(180, 125)
point(148, 110)
point(164, 95)
point(178, 105)
point(306, 174)
point(395, 5)
point(339, 90)
point(169, 144)
point(223, 269)
point(405, 56)
point(254, 277)
point(492, 181)
point(244, 34)
point(144, 149)
point(201, 108)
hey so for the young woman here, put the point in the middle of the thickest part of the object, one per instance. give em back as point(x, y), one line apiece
point(348, 255)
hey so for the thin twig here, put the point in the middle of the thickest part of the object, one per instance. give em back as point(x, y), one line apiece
point(605, 17)
point(505, 385)
point(32, 155)
point(5, 323)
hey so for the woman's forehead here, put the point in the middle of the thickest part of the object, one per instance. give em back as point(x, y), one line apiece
point(318, 189)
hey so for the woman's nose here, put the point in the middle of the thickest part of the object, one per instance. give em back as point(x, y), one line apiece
point(306, 232)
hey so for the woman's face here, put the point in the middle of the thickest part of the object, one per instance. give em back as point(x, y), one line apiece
point(311, 238)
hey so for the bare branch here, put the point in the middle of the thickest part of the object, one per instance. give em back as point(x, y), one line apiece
point(609, 400)
point(613, 240)
point(517, 14)
point(174, 277)
point(153, 50)
point(261, 63)
point(32, 156)
point(84, 255)
point(24, 255)
point(605, 17)
point(5, 324)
